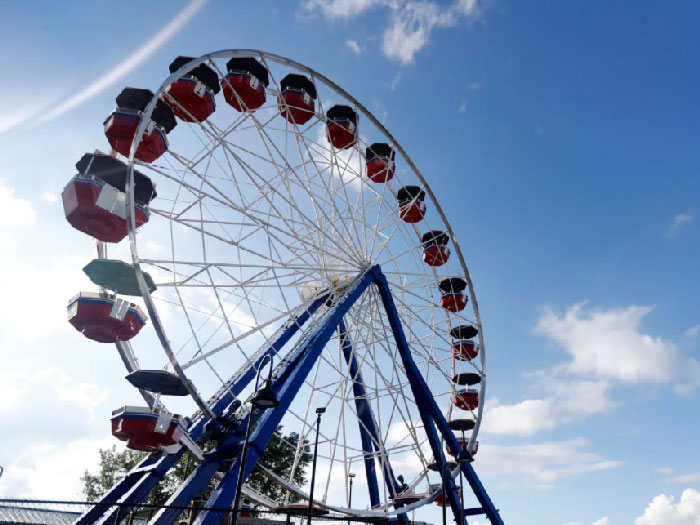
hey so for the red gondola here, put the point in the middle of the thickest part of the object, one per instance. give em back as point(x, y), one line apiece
point(193, 93)
point(120, 127)
point(435, 250)
point(466, 399)
point(453, 299)
point(379, 162)
point(442, 500)
point(465, 350)
point(244, 85)
point(104, 318)
point(341, 126)
point(463, 347)
point(411, 205)
point(145, 429)
point(94, 200)
point(462, 443)
point(297, 99)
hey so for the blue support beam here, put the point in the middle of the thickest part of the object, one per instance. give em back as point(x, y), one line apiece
point(288, 379)
point(137, 485)
point(430, 412)
point(369, 433)
point(364, 415)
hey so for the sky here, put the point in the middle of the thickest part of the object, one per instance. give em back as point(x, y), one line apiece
point(559, 137)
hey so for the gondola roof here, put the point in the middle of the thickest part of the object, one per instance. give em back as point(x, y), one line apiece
point(137, 99)
point(202, 72)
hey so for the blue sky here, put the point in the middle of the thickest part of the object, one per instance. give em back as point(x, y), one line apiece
point(561, 140)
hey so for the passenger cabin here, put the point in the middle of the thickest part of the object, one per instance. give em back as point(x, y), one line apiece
point(411, 204)
point(104, 318)
point(120, 127)
point(453, 297)
point(297, 100)
point(463, 443)
point(94, 201)
point(435, 250)
point(158, 381)
point(442, 500)
point(147, 430)
point(244, 85)
point(467, 399)
point(380, 162)
point(341, 127)
point(193, 93)
point(463, 346)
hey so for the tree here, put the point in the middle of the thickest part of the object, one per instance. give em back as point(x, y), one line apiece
point(278, 457)
point(114, 466)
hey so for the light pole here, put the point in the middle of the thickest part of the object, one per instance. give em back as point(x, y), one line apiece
point(319, 412)
point(262, 400)
point(350, 475)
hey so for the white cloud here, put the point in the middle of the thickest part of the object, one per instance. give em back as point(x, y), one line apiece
point(601, 521)
point(692, 477)
point(342, 8)
point(692, 331)
point(52, 442)
point(129, 64)
point(609, 344)
point(568, 400)
point(412, 24)
point(395, 81)
point(680, 220)
point(474, 86)
point(541, 464)
point(353, 46)
point(14, 211)
point(49, 197)
point(663, 511)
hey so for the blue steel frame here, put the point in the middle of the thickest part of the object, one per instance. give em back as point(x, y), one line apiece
point(288, 377)
point(369, 434)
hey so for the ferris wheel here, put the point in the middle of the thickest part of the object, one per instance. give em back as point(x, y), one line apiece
point(259, 216)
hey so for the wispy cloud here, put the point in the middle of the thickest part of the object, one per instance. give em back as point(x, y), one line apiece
point(353, 46)
point(129, 64)
point(692, 331)
point(411, 23)
point(680, 220)
point(462, 107)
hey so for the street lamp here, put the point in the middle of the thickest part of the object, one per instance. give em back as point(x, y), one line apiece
point(319, 412)
point(263, 399)
point(350, 475)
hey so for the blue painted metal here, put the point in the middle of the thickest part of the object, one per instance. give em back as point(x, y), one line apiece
point(430, 412)
point(288, 379)
point(368, 428)
point(364, 415)
point(136, 485)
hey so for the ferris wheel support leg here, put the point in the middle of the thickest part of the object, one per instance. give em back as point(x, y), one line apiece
point(431, 414)
point(368, 428)
point(288, 378)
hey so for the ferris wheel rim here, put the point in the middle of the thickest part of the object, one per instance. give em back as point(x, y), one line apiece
point(153, 311)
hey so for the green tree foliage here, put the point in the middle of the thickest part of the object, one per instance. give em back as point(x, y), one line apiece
point(278, 457)
point(113, 468)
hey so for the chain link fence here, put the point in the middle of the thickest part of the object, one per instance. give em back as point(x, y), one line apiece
point(50, 512)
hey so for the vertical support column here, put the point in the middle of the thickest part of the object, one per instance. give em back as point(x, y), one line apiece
point(430, 412)
point(368, 427)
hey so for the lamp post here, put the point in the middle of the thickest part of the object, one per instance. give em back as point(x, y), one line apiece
point(351, 475)
point(319, 412)
point(262, 400)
